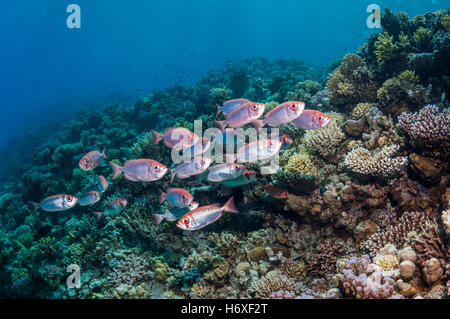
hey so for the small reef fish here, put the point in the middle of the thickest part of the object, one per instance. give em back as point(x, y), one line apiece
point(100, 185)
point(286, 140)
point(206, 215)
point(311, 120)
point(173, 214)
point(116, 206)
point(176, 137)
point(282, 114)
point(231, 105)
point(176, 197)
point(259, 150)
point(144, 170)
point(91, 160)
point(225, 171)
point(198, 148)
point(89, 198)
point(275, 191)
point(197, 166)
point(242, 115)
point(247, 178)
point(56, 203)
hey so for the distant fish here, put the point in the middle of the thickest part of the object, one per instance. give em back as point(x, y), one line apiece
point(176, 137)
point(144, 170)
point(114, 207)
point(259, 150)
point(196, 166)
point(173, 214)
point(89, 198)
point(206, 215)
point(311, 120)
point(276, 191)
point(284, 139)
point(226, 171)
point(242, 115)
point(177, 197)
point(231, 105)
point(282, 114)
point(100, 185)
point(91, 160)
point(56, 203)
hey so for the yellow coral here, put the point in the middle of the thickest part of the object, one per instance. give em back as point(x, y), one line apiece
point(388, 262)
point(422, 37)
point(409, 76)
point(385, 49)
point(326, 140)
point(202, 290)
point(361, 109)
point(301, 163)
point(445, 21)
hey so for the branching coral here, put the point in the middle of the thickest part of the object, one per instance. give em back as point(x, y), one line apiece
point(326, 140)
point(264, 287)
point(361, 109)
point(381, 164)
point(429, 129)
point(301, 163)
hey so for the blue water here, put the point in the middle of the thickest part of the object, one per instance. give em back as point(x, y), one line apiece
point(126, 49)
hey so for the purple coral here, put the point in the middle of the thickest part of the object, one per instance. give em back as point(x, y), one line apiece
point(429, 129)
point(357, 281)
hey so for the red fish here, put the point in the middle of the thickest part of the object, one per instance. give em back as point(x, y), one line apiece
point(205, 215)
point(282, 138)
point(144, 170)
point(176, 197)
point(282, 114)
point(276, 191)
point(91, 160)
point(231, 105)
point(226, 171)
point(259, 150)
point(196, 166)
point(176, 137)
point(242, 115)
point(311, 120)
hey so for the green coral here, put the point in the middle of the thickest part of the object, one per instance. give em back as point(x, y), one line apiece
point(422, 38)
point(386, 51)
point(160, 267)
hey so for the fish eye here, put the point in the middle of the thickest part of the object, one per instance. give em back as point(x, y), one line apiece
point(155, 168)
point(69, 199)
point(184, 196)
point(320, 118)
point(294, 107)
point(186, 221)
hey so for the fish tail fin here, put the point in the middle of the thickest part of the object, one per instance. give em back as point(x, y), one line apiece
point(104, 153)
point(162, 197)
point(35, 206)
point(157, 137)
point(258, 124)
point(158, 218)
point(97, 215)
point(116, 169)
point(219, 109)
point(230, 206)
point(172, 175)
point(221, 125)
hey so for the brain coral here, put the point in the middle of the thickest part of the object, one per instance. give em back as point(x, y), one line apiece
point(326, 140)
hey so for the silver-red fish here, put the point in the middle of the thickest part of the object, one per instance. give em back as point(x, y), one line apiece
point(196, 166)
point(89, 198)
point(173, 214)
point(259, 150)
point(176, 137)
point(242, 115)
point(311, 120)
point(206, 215)
point(282, 114)
point(176, 197)
point(114, 207)
point(91, 160)
point(231, 105)
point(56, 203)
point(144, 170)
point(226, 171)
point(276, 191)
point(100, 185)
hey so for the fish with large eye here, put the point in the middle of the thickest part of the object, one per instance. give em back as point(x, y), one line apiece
point(176, 197)
point(193, 167)
point(112, 208)
point(89, 198)
point(242, 115)
point(225, 171)
point(231, 105)
point(260, 150)
point(91, 160)
point(206, 215)
point(311, 120)
point(140, 170)
point(56, 203)
point(275, 191)
point(282, 114)
point(178, 138)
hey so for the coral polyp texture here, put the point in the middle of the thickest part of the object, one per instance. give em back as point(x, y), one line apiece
point(358, 208)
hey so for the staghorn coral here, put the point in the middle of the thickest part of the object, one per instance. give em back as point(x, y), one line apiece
point(381, 164)
point(428, 129)
point(385, 49)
